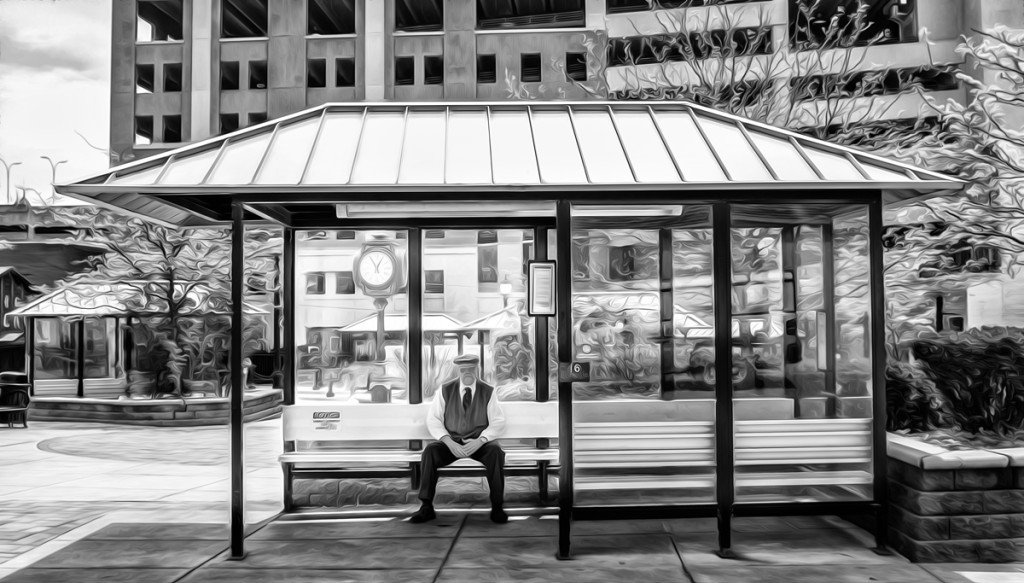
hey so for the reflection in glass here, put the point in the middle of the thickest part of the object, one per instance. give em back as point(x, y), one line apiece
point(351, 316)
point(56, 349)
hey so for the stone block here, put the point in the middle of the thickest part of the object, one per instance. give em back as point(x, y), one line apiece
point(915, 477)
point(919, 527)
point(1001, 551)
point(1018, 478)
point(937, 503)
point(854, 407)
point(982, 479)
point(1003, 501)
point(946, 551)
point(988, 526)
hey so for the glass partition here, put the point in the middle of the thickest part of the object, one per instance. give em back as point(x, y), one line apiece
point(643, 321)
point(800, 353)
point(351, 316)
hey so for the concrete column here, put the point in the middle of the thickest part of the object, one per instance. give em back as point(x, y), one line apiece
point(460, 49)
point(201, 118)
point(286, 58)
point(122, 81)
point(374, 61)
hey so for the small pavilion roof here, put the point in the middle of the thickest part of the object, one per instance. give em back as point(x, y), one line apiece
point(364, 152)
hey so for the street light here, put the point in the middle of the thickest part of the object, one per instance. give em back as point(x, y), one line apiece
point(505, 288)
point(7, 173)
point(53, 177)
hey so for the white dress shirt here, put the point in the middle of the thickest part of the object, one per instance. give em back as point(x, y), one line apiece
point(495, 415)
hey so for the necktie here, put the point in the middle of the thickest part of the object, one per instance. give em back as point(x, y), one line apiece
point(466, 398)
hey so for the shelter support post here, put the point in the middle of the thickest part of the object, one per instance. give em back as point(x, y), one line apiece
point(878, 363)
point(563, 225)
point(540, 344)
point(414, 339)
point(80, 357)
point(287, 286)
point(30, 354)
point(724, 493)
point(237, 385)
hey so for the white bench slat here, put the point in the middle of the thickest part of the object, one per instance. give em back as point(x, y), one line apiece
point(803, 439)
point(659, 428)
point(585, 483)
point(801, 425)
point(802, 479)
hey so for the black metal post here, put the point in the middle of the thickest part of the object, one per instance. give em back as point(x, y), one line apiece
point(415, 327)
point(276, 322)
point(828, 301)
point(287, 285)
point(563, 275)
point(878, 361)
point(540, 323)
point(30, 354)
point(725, 466)
point(667, 313)
point(237, 429)
point(80, 357)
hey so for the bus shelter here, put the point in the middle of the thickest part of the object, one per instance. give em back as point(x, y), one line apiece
point(701, 294)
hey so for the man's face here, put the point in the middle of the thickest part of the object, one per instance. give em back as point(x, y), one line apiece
point(467, 374)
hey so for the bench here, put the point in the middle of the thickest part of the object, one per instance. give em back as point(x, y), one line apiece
point(14, 403)
point(387, 440)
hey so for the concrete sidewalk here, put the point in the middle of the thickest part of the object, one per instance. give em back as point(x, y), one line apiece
point(466, 546)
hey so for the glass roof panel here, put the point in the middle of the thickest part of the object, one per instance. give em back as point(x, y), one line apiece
point(147, 176)
point(599, 144)
point(833, 166)
point(380, 148)
point(335, 149)
point(468, 157)
point(644, 146)
point(735, 151)
point(423, 150)
point(190, 170)
point(783, 157)
point(691, 152)
point(514, 159)
point(238, 163)
point(557, 150)
point(884, 174)
point(287, 157)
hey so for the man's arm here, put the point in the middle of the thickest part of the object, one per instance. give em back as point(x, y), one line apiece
point(495, 419)
point(435, 416)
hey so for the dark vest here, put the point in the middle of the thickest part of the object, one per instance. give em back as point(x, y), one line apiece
point(465, 425)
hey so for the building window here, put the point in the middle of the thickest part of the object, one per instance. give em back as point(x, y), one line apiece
point(433, 281)
point(172, 77)
point(344, 283)
point(575, 67)
point(433, 70)
point(331, 17)
point(144, 78)
point(316, 73)
point(405, 70)
point(492, 14)
point(873, 83)
point(619, 6)
point(434, 234)
point(243, 18)
point(143, 129)
point(529, 67)
point(346, 235)
point(229, 75)
point(172, 128)
point(645, 50)
point(159, 20)
point(345, 72)
point(315, 284)
point(833, 23)
point(228, 122)
point(487, 264)
point(486, 69)
point(314, 236)
point(419, 15)
point(257, 74)
point(257, 117)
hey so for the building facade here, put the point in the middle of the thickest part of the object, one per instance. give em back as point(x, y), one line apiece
point(184, 71)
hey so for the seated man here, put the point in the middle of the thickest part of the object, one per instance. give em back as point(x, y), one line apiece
point(465, 418)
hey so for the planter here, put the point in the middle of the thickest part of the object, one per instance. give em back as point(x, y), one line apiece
point(948, 506)
point(189, 386)
point(141, 383)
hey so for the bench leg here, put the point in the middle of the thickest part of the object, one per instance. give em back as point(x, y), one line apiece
point(415, 474)
point(288, 506)
point(542, 482)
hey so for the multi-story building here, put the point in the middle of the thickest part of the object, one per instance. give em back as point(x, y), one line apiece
point(184, 70)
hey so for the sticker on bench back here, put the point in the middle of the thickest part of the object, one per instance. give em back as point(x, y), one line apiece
point(574, 372)
point(326, 420)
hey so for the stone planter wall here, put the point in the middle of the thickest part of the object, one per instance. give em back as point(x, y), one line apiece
point(955, 506)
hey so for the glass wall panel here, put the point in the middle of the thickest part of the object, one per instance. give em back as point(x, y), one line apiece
point(643, 320)
point(474, 301)
point(800, 357)
point(99, 347)
point(56, 349)
point(351, 316)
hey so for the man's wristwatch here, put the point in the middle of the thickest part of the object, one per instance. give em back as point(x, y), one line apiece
point(483, 439)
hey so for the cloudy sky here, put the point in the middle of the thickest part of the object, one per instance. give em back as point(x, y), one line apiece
point(54, 80)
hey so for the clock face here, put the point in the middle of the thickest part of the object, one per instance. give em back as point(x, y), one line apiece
point(376, 268)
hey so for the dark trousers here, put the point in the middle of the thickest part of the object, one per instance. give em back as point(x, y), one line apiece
point(437, 455)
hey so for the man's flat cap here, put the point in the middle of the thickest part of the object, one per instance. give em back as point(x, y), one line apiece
point(467, 360)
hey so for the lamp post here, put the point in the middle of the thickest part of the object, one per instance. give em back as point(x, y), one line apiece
point(7, 184)
point(53, 176)
point(505, 289)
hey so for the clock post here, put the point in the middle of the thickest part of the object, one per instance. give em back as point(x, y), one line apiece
point(380, 304)
point(377, 272)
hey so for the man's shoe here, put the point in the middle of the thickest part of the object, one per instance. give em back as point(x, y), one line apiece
point(425, 514)
point(498, 516)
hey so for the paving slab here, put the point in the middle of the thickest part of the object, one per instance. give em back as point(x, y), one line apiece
point(808, 547)
point(366, 553)
point(166, 531)
point(445, 527)
point(571, 574)
point(976, 573)
point(261, 575)
point(480, 525)
point(598, 552)
point(146, 554)
point(727, 573)
point(96, 576)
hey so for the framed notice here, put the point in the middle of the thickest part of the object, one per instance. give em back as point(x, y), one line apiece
point(541, 288)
